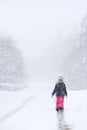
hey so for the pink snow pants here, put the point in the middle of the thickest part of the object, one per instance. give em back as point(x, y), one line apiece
point(59, 102)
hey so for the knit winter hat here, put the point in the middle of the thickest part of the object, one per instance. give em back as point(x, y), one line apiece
point(61, 78)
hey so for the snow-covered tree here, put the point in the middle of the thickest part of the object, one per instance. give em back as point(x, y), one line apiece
point(75, 67)
point(12, 67)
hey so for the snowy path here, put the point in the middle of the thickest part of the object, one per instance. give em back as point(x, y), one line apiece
point(40, 114)
point(16, 110)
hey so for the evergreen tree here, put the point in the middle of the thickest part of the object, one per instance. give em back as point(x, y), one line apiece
point(12, 67)
point(75, 68)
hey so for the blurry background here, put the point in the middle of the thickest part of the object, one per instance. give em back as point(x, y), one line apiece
point(50, 36)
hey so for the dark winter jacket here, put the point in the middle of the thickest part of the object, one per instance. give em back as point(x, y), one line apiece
point(60, 89)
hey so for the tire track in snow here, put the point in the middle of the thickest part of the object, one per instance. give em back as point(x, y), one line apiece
point(17, 109)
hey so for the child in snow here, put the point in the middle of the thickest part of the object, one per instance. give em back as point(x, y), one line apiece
point(60, 91)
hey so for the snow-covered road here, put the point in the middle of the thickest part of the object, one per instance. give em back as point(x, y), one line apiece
point(38, 113)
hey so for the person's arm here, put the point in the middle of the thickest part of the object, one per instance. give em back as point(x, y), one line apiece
point(54, 91)
point(65, 89)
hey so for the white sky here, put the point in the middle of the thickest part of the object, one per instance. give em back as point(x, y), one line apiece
point(36, 24)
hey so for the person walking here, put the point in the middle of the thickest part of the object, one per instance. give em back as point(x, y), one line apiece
point(60, 91)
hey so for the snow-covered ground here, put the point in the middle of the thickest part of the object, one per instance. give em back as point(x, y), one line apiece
point(33, 108)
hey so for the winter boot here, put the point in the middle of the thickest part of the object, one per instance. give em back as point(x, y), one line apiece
point(57, 109)
point(61, 109)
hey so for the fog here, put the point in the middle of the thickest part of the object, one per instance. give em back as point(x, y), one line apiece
point(41, 30)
